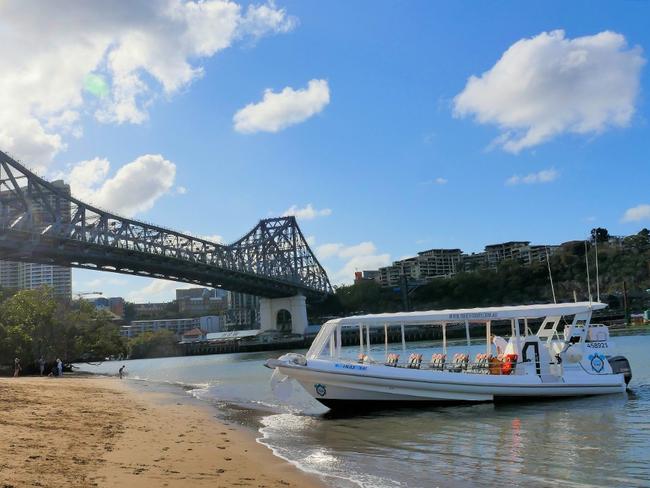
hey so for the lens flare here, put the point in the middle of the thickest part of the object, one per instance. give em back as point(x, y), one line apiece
point(96, 85)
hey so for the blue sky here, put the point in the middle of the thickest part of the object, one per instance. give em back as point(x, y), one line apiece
point(385, 150)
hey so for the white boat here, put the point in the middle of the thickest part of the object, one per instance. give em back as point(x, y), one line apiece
point(567, 356)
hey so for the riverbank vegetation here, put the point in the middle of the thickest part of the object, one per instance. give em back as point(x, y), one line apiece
point(153, 345)
point(34, 324)
point(624, 269)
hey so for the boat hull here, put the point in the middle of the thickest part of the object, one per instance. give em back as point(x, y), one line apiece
point(337, 384)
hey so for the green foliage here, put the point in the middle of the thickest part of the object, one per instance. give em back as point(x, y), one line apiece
point(640, 242)
point(34, 324)
point(28, 322)
point(129, 312)
point(599, 234)
point(153, 344)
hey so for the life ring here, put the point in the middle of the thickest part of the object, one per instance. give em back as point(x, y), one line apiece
point(507, 365)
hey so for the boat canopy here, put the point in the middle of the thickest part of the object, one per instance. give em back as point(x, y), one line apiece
point(473, 315)
point(330, 332)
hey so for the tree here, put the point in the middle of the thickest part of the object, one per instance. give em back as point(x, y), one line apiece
point(29, 326)
point(153, 344)
point(34, 324)
point(95, 336)
point(129, 311)
point(599, 234)
point(639, 242)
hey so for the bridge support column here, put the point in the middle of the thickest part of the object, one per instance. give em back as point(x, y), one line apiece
point(274, 314)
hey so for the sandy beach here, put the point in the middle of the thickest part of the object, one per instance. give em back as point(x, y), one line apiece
point(87, 432)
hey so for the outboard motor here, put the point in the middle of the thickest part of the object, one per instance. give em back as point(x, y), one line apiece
point(620, 364)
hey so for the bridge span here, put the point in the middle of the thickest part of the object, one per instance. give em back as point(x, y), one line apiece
point(42, 223)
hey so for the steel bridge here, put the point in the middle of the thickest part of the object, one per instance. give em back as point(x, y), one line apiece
point(41, 222)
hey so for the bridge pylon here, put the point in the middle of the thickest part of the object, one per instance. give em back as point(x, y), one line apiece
point(287, 314)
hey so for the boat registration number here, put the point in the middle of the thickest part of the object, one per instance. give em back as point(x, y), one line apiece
point(597, 345)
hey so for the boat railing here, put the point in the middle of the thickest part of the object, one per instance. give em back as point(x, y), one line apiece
point(482, 363)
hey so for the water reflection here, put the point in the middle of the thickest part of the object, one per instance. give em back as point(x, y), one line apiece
point(577, 442)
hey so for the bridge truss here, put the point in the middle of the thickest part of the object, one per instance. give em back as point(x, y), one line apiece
point(41, 222)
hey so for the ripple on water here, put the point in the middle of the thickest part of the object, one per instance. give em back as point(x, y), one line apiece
point(597, 441)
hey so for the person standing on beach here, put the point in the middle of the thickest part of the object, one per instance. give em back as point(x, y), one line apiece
point(41, 365)
point(17, 367)
point(121, 372)
point(59, 366)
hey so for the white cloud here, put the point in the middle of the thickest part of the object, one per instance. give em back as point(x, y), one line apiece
point(361, 249)
point(325, 251)
point(359, 263)
point(261, 19)
point(339, 250)
point(544, 176)
point(85, 177)
point(70, 58)
point(635, 214)
point(436, 181)
point(549, 85)
point(135, 187)
point(216, 238)
point(306, 213)
point(156, 291)
point(181, 190)
point(278, 111)
point(98, 283)
point(345, 260)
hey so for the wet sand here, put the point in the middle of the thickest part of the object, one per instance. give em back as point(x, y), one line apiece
point(88, 431)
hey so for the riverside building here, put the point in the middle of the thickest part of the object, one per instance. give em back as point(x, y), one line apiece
point(201, 300)
point(243, 311)
point(208, 323)
point(444, 263)
point(427, 265)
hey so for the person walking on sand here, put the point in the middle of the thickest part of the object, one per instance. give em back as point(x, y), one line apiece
point(59, 366)
point(17, 367)
point(121, 371)
point(41, 365)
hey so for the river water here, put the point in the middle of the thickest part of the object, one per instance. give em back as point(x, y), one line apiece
point(594, 441)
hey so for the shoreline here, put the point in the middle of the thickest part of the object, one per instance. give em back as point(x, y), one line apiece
point(100, 431)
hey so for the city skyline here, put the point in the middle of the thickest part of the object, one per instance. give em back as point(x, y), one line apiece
point(384, 137)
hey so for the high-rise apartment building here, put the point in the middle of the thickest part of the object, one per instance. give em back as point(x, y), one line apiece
point(505, 251)
point(438, 262)
point(28, 276)
point(422, 268)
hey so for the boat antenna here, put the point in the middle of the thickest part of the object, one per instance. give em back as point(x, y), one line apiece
point(597, 277)
point(550, 275)
point(588, 280)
